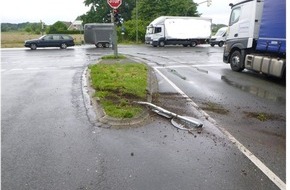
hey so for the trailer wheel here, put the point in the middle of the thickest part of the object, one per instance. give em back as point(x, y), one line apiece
point(236, 61)
point(106, 45)
point(221, 43)
point(193, 44)
point(161, 44)
point(99, 45)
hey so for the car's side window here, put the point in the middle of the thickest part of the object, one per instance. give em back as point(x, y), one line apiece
point(235, 15)
point(57, 37)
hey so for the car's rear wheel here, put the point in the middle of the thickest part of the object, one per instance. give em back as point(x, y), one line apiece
point(33, 46)
point(63, 46)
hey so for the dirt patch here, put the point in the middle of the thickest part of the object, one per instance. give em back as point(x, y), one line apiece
point(213, 107)
point(262, 116)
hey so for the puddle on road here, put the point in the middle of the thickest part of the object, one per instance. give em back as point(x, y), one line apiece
point(255, 91)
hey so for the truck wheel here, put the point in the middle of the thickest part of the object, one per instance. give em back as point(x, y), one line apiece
point(161, 44)
point(221, 44)
point(212, 45)
point(185, 45)
point(193, 44)
point(236, 61)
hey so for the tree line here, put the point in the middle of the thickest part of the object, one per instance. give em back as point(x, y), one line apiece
point(137, 14)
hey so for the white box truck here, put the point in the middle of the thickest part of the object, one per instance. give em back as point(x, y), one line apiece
point(256, 39)
point(219, 38)
point(99, 34)
point(175, 30)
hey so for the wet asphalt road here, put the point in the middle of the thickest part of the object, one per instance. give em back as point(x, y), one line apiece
point(50, 142)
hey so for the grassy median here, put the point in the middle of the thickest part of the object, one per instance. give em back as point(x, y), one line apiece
point(119, 82)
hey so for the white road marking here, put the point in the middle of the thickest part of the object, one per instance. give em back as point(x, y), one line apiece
point(271, 175)
point(184, 66)
point(16, 70)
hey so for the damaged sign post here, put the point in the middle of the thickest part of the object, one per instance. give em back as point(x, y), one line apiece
point(184, 120)
point(114, 4)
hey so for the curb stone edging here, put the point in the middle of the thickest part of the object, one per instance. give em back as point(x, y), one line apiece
point(97, 113)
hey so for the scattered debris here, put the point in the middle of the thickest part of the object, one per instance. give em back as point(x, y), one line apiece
point(178, 121)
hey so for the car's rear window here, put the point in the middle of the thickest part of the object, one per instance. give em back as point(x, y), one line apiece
point(66, 37)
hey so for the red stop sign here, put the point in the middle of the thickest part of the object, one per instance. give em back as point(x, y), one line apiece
point(114, 3)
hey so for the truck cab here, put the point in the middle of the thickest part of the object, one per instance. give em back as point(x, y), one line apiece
point(256, 38)
point(154, 35)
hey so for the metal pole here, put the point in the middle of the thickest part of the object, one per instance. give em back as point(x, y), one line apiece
point(115, 36)
point(136, 21)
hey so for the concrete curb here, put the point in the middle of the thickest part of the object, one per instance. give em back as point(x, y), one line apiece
point(96, 113)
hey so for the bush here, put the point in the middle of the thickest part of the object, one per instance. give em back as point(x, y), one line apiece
point(130, 32)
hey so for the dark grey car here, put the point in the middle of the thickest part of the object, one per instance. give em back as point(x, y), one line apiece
point(51, 40)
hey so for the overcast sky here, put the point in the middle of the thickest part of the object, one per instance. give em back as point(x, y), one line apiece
point(51, 11)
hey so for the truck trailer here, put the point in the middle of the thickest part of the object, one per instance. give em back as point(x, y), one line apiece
point(175, 30)
point(99, 34)
point(256, 38)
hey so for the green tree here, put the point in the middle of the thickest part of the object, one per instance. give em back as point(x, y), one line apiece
point(151, 9)
point(131, 30)
point(58, 27)
point(100, 9)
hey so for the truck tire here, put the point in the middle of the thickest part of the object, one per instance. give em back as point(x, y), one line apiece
point(161, 44)
point(212, 44)
point(236, 61)
point(221, 43)
point(193, 44)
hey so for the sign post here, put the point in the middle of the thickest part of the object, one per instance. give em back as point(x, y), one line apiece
point(114, 4)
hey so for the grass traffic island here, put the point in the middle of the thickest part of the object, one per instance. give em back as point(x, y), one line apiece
point(118, 82)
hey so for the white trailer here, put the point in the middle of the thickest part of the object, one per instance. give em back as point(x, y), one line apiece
point(175, 30)
point(99, 34)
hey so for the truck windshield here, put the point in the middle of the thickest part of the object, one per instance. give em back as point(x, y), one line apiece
point(153, 30)
point(220, 32)
point(150, 30)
